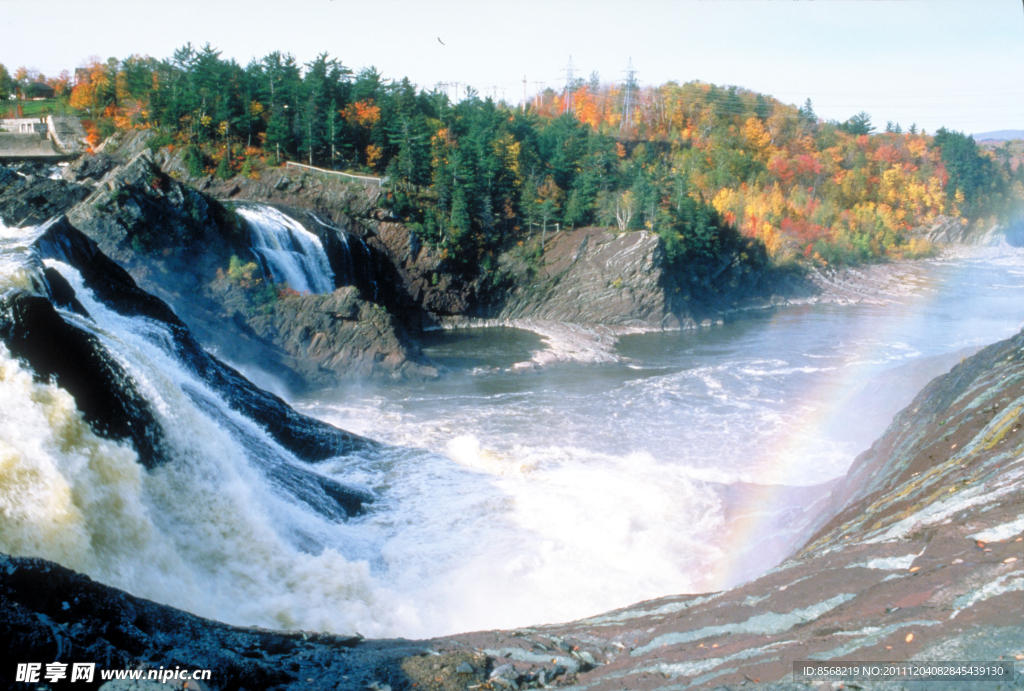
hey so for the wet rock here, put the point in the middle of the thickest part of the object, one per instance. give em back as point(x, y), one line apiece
point(337, 337)
point(106, 395)
point(91, 167)
point(31, 198)
point(308, 439)
point(120, 631)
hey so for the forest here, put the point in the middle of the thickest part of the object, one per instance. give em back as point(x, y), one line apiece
point(716, 171)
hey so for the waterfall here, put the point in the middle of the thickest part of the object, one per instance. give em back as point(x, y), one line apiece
point(288, 252)
point(230, 525)
point(353, 263)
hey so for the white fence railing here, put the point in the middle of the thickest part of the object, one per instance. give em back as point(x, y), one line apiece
point(302, 166)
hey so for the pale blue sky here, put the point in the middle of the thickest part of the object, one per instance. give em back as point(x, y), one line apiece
point(958, 63)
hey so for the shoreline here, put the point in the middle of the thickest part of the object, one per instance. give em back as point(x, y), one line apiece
point(595, 343)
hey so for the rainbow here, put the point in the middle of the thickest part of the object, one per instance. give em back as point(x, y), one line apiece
point(785, 472)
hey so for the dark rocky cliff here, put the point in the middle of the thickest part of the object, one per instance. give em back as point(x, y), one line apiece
point(177, 243)
point(109, 396)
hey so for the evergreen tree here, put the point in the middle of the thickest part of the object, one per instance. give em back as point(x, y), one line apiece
point(970, 173)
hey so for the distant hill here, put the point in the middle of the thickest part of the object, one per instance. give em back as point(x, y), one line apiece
point(999, 135)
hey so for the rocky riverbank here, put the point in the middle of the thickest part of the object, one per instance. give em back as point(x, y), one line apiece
point(179, 244)
point(178, 235)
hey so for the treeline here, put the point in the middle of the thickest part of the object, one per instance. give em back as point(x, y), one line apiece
point(722, 174)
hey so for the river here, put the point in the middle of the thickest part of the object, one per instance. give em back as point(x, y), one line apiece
point(507, 495)
point(539, 495)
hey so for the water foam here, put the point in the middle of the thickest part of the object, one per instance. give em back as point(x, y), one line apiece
point(207, 531)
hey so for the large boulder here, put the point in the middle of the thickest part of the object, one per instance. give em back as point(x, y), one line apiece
point(337, 337)
point(105, 394)
point(591, 276)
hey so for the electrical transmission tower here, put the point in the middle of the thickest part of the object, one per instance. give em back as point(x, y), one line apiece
point(570, 86)
point(629, 97)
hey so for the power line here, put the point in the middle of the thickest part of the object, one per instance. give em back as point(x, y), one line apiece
point(627, 99)
point(570, 86)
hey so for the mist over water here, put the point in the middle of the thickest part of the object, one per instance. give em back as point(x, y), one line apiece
point(508, 497)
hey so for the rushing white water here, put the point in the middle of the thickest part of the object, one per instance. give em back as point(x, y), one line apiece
point(507, 498)
point(208, 531)
point(289, 253)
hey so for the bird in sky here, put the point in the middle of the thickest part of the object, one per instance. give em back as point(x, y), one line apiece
point(440, 41)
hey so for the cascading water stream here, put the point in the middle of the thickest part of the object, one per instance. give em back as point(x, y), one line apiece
point(288, 252)
point(214, 529)
point(353, 265)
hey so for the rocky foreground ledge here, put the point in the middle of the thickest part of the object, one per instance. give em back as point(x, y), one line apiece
point(922, 558)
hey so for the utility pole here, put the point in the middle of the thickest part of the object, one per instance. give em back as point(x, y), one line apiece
point(538, 93)
point(570, 73)
point(524, 93)
point(628, 97)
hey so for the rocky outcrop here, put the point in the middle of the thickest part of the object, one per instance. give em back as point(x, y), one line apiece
point(175, 241)
point(109, 400)
point(945, 230)
point(29, 197)
point(592, 276)
point(337, 337)
point(48, 612)
point(136, 210)
point(949, 230)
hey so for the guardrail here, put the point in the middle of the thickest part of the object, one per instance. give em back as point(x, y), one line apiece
point(302, 166)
